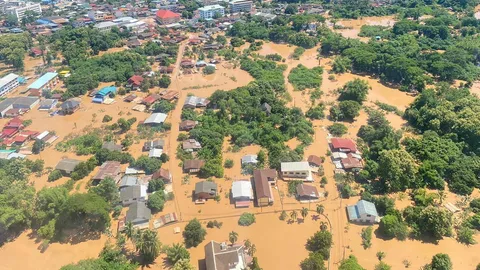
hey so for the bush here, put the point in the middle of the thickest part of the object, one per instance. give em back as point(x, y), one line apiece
point(209, 70)
point(320, 242)
point(337, 129)
point(228, 163)
point(164, 82)
point(246, 219)
point(316, 112)
point(302, 77)
point(156, 201)
point(106, 118)
point(367, 237)
point(155, 185)
point(54, 175)
point(214, 224)
point(117, 210)
point(475, 205)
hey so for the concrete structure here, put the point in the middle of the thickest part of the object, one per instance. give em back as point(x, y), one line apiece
point(105, 26)
point(242, 193)
point(249, 159)
point(20, 103)
point(205, 190)
point(155, 153)
point(209, 12)
point(363, 212)
point(19, 12)
point(167, 17)
point(8, 83)
point(193, 102)
point(47, 81)
point(220, 256)
point(131, 194)
point(128, 181)
point(296, 171)
point(67, 165)
point(139, 214)
point(155, 144)
point(241, 6)
point(263, 180)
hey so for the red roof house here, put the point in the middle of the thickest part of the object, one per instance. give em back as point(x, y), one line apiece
point(167, 17)
point(351, 163)
point(14, 123)
point(36, 52)
point(343, 145)
point(135, 81)
point(150, 99)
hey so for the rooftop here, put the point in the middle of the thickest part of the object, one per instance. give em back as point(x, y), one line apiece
point(212, 7)
point(138, 211)
point(108, 169)
point(7, 79)
point(133, 192)
point(40, 82)
point(295, 166)
point(156, 118)
point(220, 256)
point(166, 14)
point(344, 144)
point(242, 189)
point(104, 25)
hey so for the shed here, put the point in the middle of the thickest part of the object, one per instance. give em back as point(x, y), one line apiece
point(155, 153)
point(191, 145)
point(163, 174)
point(108, 169)
point(187, 125)
point(249, 159)
point(47, 104)
point(70, 106)
point(193, 166)
point(314, 161)
point(155, 144)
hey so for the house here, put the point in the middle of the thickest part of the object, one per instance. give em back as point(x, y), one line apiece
point(307, 193)
point(169, 95)
point(296, 171)
point(187, 63)
point(22, 103)
point(205, 190)
point(70, 106)
point(193, 166)
point(105, 26)
point(47, 104)
point(212, 46)
point(263, 180)
point(155, 153)
point(220, 256)
point(155, 119)
point(338, 155)
point(134, 43)
point(8, 83)
point(111, 146)
point(163, 174)
point(266, 108)
point(67, 165)
point(139, 215)
point(127, 181)
point(130, 98)
point(351, 163)
point(11, 128)
point(343, 145)
point(363, 212)
point(131, 194)
point(314, 161)
point(135, 81)
point(36, 52)
point(150, 99)
point(187, 125)
point(109, 169)
point(249, 159)
point(193, 102)
point(155, 144)
point(104, 93)
point(191, 145)
point(47, 81)
point(242, 193)
point(167, 17)
point(194, 41)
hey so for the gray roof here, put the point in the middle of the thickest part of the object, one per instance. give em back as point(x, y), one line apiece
point(220, 256)
point(18, 102)
point(132, 192)
point(156, 118)
point(196, 101)
point(47, 103)
point(7, 79)
point(111, 146)
point(206, 187)
point(67, 164)
point(361, 208)
point(138, 212)
point(249, 159)
point(128, 180)
point(70, 104)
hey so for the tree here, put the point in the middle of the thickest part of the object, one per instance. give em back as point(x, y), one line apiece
point(129, 230)
point(320, 242)
point(391, 226)
point(183, 264)
point(304, 212)
point(337, 129)
point(107, 189)
point(397, 169)
point(228, 163)
point(194, 233)
point(156, 201)
point(349, 109)
point(283, 215)
point(293, 215)
point(233, 237)
point(38, 146)
point(148, 245)
point(441, 261)
point(381, 255)
point(313, 262)
point(320, 209)
point(355, 90)
point(350, 264)
point(237, 42)
point(177, 252)
point(156, 185)
point(291, 9)
point(382, 266)
point(164, 81)
point(246, 219)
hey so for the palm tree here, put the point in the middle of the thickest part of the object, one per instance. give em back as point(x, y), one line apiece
point(320, 209)
point(148, 245)
point(294, 215)
point(323, 226)
point(233, 237)
point(380, 255)
point(176, 253)
point(304, 212)
point(129, 230)
point(248, 244)
point(252, 250)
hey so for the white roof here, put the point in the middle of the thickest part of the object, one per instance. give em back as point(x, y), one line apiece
point(7, 79)
point(42, 135)
point(212, 7)
point(357, 156)
point(249, 159)
point(16, 155)
point(134, 171)
point(155, 152)
point(338, 164)
point(295, 166)
point(104, 24)
point(242, 189)
point(339, 155)
point(156, 118)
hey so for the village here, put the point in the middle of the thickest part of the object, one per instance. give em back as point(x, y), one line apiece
point(152, 130)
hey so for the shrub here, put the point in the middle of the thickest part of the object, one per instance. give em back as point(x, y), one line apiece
point(246, 219)
point(302, 77)
point(209, 70)
point(337, 129)
point(106, 118)
point(194, 233)
point(214, 224)
point(367, 237)
point(54, 175)
point(228, 163)
point(155, 185)
point(156, 201)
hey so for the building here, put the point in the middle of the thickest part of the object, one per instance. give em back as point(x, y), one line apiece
point(241, 6)
point(110, 169)
point(131, 194)
point(11, 128)
point(22, 104)
point(191, 145)
point(167, 17)
point(242, 193)
point(136, 26)
point(139, 215)
point(193, 165)
point(47, 104)
point(193, 102)
point(205, 190)
point(351, 163)
point(163, 174)
point(343, 145)
point(314, 161)
point(47, 81)
point(19, 12)
point(135, 81)
point(155, 153)
point(187, 125)
point(111, 146)
point(263, 180)
point(363, 212)
point(249, 159)
point(105, 26)
point(67, 165)
point(128, 181)
point(210, 12)
point(220, 256)
point(8, 83)
point(104, 93)
point(151, 99)
point(70, 106)
point(155, 119)
point(307, 193)
point(155, 144)
point(296, 171)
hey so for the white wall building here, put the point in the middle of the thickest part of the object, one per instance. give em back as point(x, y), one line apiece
point(296, 171)
point(241, 6)
point(8, 83)
point(208, 12)
point(19, 12)
point(105, 26)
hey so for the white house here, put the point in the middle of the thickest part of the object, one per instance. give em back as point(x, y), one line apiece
point(363, 212)
point(242, 193)
point(296, 171)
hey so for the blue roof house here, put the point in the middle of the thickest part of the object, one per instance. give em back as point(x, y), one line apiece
point(363, 212)
point(48, 80)
point(104, 93)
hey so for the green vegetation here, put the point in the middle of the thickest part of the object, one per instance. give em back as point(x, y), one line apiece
point(194, 233)
point(316, 112)
point(350, 264)
point(367, 237)
point(314, 261)
point(214, 224)
point(440, 261)
point(297, 53)
point(356, 90)
point(111, 257)
point(163, 106)
point(302, 77)
point(246, 219)
point(177, 252)
point(156, 201)
point(374, 31)
point(54, 175)
point(209, 70)
point(320, 242)
point(13, 48)
point(155, 185)
point(389, 108)
point(337, 129)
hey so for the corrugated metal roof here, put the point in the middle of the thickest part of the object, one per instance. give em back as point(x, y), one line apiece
point(365, 207)
point(43, 80)
point(295, 166)
point(242, 189)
